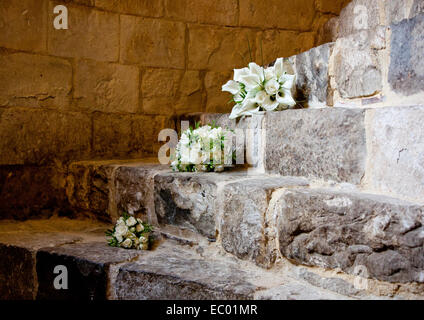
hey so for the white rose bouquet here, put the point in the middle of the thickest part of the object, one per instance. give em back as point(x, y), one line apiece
point(130, 233)
point(206, 149)
point(257, 89)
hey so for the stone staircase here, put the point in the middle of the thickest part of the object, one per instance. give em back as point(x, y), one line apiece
point(330, 205)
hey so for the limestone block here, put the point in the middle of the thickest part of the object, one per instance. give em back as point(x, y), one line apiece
point(397, 10)
point(360, 15)
point(134, 190)
point(312, 77)
point(120, 135)
point(152, 42)
point(190, 200)
point(331, 6)
point(23, 25)
point(244, 223)
point(334, 229)
point(217, 101)
point(406, 70)
point(397, 151)
point(144, 8)
point(88, 268)
point(326, 144)
point(190, 93)
point(174, 273)
point(106, 87)
point(85, 36)
point(33, 136)
point(221, 12)
point(282, 43)
point(355, 63)
point(219, 48)
point(28, 80)
point(281, 14)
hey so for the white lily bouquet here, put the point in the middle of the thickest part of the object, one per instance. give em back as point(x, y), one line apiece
point(206, 149)
point(130, 233)
point(256, 89)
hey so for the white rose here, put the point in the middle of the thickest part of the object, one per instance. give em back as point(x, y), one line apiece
point(120, 221)
point(127, 243)
point(139, 227)
point(143, 239)
point(272, 87)
point(131, 221)
point(121, 230)
point(261, 97)
point(119, 238)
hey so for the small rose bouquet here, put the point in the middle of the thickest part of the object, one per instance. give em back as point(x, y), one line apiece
point(130, 233)
point(207, 149)
point(256, 89)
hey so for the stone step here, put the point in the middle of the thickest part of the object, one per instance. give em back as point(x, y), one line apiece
point(30, 254)
point(378, 149)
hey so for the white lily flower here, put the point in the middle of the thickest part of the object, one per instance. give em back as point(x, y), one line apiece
point(238, 73)
point(255, 78)
point(265, 101)
point(284, 97)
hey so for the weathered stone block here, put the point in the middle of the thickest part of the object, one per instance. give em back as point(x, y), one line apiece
point(281, 43)
point(298, 15)
point(333, 229)
point(397, 151)
point(33, 136)
point(152, 42)
point(87, 265)
point(23, 25)
point(244, 222)
point(312, 78)
point(28, 80)
point(85, 37)
point(355, 64)
point(406, 71)
point(190, 200)
point(106, 87)
point(360, 15)
point(89, 188)
point(143, 8)
point(326, 144)
point(219, 48)
point(177, 274)
point(134, 190)
point(331, 6)
point(397, 10)
point(118, 135)
point(190, 93)
point(221, 12)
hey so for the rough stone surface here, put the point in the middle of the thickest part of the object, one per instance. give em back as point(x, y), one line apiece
point(28, 80)
point(106, 87)
point(312, 78)
point(33, 136)
point(397, 151)
point(217, 101)
point(143, 8)
point(298, 15)
point(219, 48)
point(87, 266)
point(243, 225)
point(282, 43)
point(23, 25)
point(356, 65)
point(178, 275)
point(333, 229)
point(297, 291)
point(134, 187)
point(331, 6)
point(324, 143)
point(190, 200)
point(222, 12)
point(154, 43)
point(85, 37)
point(397, 10)
point(406, 71)
point(360, 15)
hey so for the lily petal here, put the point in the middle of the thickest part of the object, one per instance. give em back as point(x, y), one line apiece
point(286, 100)
point(279, 67)
point(257, 70)
point(287, 80)
point(250, 81)
point(240, 72)
point(232, 87)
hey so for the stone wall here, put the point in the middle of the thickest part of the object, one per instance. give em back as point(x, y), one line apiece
point(122, 71)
